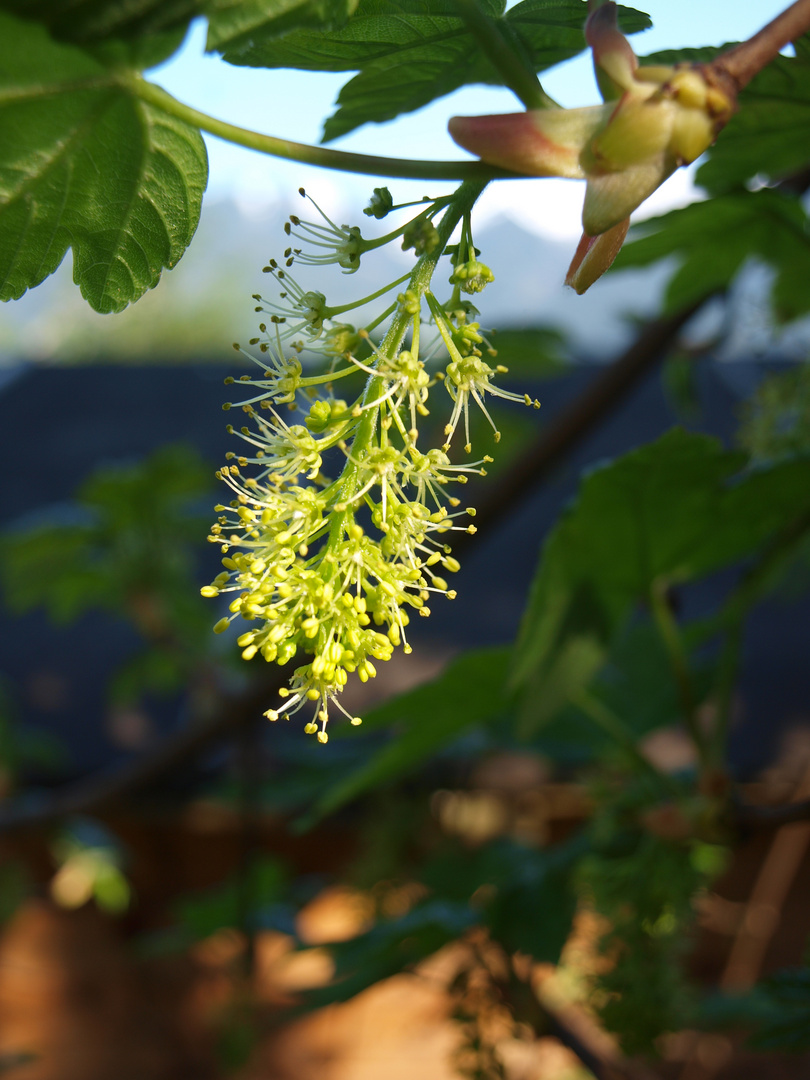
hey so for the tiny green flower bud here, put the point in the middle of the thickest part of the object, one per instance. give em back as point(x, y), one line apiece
point(471, 276)
point(421, 235)
point(380, 204)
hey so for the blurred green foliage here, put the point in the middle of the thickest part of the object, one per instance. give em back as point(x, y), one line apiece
point(129, 548)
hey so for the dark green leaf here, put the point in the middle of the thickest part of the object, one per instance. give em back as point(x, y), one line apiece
point(125, 544)
point(674, 511)
point(391, 946)
point(551, 31)
point(788, 1027)
point(203, 913)
point(524, 896)
point(636, 682)
point(97, 21)
point(85, 164)
point(538, 352)
point(776, 1011)
point(235, 25)
point(712, 240)
point(776, 420)
point(14, 889)
point(378, 32)
point(410, 52)
point(468, 693)
point(769, 137)
point(668, 57)
point(550, 686)
point(534, 903)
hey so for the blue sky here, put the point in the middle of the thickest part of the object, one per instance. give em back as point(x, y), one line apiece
point(294, 104)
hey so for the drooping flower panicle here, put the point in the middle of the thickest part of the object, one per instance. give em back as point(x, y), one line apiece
point(334, 567)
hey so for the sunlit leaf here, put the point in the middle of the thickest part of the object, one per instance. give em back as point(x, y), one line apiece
point(410, 52)
point(85, 164)
point(671, 511)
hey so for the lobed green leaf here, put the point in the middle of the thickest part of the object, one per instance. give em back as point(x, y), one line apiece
point(712, 240)
point(234, 25)
point(86, 21)
point(410, 52)
point(671, 511)
point(84, 164)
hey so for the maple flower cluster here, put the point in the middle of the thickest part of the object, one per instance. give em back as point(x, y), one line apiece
point(334, 566)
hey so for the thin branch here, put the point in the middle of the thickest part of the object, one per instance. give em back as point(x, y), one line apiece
point(369, 164)
point(770, 817)
point(741, 64)
point(110, 786)
point(613, 726)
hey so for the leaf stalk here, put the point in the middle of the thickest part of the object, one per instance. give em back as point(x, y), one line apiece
point(342, 160)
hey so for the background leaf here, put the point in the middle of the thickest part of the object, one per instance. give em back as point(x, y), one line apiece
point(85, 21)
point(390, 946)
point(713, 240)
point(468, 693)
point(536, 352)
point(671, 510)
point(85, 164)
point(530, 899)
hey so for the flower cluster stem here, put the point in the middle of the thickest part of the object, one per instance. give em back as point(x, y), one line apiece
point(462, 203)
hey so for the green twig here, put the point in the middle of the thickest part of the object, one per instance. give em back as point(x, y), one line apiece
point(671, 637)
point(615, 728)
point(369, 164)
point(743, 62)
point(504, 57)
